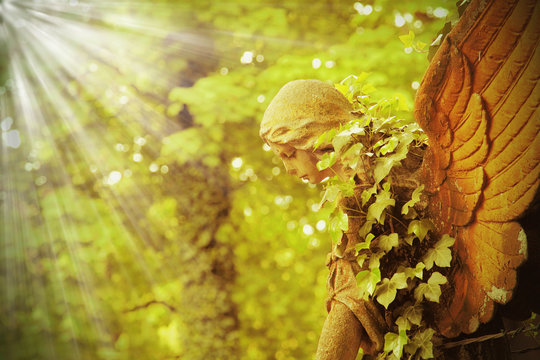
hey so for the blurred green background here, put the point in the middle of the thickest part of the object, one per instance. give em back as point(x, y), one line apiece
point(141, 215)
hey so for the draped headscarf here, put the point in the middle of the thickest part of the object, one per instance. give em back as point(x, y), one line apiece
point(301, 111)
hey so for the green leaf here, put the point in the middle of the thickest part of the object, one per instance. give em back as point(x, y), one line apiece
point(340, 141)
point(344, 89)
point(347, 187)
point(366, 194)
point(338, 224)
point(440, 254)
point(430, 290)
point(330, 194)
point(403, 323)
point(368, 88)
point(385, 293)
point(413, 314)
point(395, 342)
point(390, 145)
point(351, 157)
point(374, 260)
point(420, 45)
point(415, 197)
point(368, 279)
point(339, 221)
point(387, 290)
point(420, 228)
point(421, 342)
point(365, 229)
point(384, 165)
point(382, 168)
point(399, 280)
point(387, 242)
point(417, 271)
point(365, 244)
point(408, 39)
point(327, 160)
point(383, 200)
point(409, 239)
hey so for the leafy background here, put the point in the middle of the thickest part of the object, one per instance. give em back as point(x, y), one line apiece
point(142, 217)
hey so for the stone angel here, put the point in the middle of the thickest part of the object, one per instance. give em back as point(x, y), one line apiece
point(478, 105)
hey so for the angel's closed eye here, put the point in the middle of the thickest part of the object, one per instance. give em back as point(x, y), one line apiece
point(289, 154)
point(324, 150)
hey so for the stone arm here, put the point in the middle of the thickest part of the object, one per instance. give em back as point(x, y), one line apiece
point(351, 322)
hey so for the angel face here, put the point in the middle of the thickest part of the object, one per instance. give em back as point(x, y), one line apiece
point(301, 163)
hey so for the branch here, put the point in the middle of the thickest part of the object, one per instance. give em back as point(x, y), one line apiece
point(143, 306)
point(489, 337)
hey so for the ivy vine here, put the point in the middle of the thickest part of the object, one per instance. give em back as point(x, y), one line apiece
point(403, 265)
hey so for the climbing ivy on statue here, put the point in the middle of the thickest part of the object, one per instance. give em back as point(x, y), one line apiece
point(375, 142)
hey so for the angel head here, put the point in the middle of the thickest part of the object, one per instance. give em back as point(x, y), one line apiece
point(301, 111)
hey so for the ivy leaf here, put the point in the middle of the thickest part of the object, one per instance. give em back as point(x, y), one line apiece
point(413, 314)
point(330, 194)
point(352, 155)
point(374, 260)
point(395, 342)
point(342, 221)
point(422, 342)
point(368, 88)
point(378, 143)
point(420, 228)
point(440, 254)
point(387, 290)
point(420, 45)
point(409, 239)
point(430, 290)
point(390, 145)
point(384, 165)
point(387, 242)
point(382, 168)
point(338, 224)
point(365, 244)
point(408, 39)
point(347, 187)
point(340, 141)
point(403, 323)
point(417, 271)
point(327, 160)
point(344, 89)
point(368, 279)
point(411, 215)
point(366, 194)
point(383, 200)
point(415, 197)
point(366, 228)
point(399, 280)
point(321, 140)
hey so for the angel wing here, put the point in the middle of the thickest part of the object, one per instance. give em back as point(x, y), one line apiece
point(479, 106)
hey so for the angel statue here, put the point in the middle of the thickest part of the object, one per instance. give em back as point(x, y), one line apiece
point(434, 213)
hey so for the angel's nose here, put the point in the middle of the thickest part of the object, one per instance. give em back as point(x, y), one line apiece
point(289, 167)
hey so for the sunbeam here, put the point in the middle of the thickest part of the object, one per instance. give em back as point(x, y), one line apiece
point(72, 68)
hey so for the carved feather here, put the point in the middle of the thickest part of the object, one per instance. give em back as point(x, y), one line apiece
point(479, 106)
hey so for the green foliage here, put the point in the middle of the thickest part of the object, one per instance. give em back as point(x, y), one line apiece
point(394, 343)
point(432, 289)
point(408, 42)
point(387, 289)
point(385, 141)
point(440, 254)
